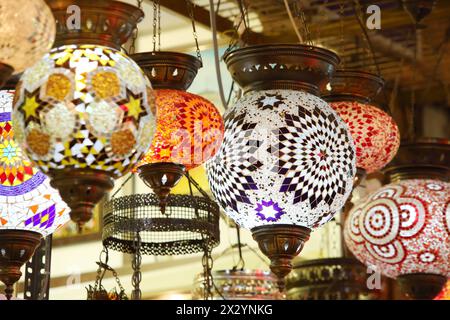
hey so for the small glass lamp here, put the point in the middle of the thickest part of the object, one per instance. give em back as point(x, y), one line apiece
point(374, 132)
point(189, 128)
point(29, 207)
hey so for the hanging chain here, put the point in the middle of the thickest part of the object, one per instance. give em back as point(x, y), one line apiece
point(299, 12)
point(102, 266)
point(207, 263)
point(135, 32)
point(159, 26)
point(341, 22)
point(136, 265)
point(207, 260)
point(191, 9)
point(155, 23)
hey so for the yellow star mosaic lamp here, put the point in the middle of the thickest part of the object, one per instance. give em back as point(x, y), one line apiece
point(82, 114)
point(29, 207)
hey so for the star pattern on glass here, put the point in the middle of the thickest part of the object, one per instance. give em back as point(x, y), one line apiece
point(269, 211)
point(269, 101)
point(31, 106)
point(133, 107)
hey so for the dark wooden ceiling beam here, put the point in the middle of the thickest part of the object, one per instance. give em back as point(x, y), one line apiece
point(201, 15)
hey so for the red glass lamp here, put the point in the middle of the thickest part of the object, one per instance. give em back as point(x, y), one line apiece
point(375, 134)
point(403, 229)
point(189, 128)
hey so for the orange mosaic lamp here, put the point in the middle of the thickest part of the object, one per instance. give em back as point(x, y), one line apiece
point(374, 132)
point(189, 128)
point(445, 293)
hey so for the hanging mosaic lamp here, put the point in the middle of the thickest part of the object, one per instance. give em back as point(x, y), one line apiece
point(403, 229)
point(26, 34)
point(189, 128)
point(29, 207)
point(374, 132)
point(82, 113)
point(287, 162)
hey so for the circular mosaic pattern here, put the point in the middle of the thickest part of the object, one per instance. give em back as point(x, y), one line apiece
point(27, 201)
point(375, 134)
point(27, 32)
point(84, 107)
point(286, 158)
point(403, 228)
point(189, 129)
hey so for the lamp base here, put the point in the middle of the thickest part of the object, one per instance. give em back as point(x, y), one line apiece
point(6, 72)
point(281, 243)
point(16, 248)
point(81, 189)
point(421, 286)
point(161, 178)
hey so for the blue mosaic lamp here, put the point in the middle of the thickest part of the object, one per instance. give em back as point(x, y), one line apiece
point(29, 207)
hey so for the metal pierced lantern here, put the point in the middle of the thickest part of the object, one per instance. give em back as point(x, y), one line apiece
point(82, 113)
point(328, 279)
point(189, 224)
point(287, 161)
point(239, 285)
point(29, 207)
point(189, 128)
point(375, 134)
point(403, 229)
point(26, 34)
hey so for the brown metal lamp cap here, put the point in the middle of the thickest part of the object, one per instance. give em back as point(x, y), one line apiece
point(11, 82)
point(161, 178)
point(168, 70)
point(16, 248)
point(5, 73)
point(353, 85)
point(426, 158)
point(82, 190)
point(281, 244)
point(282, 66)
point(421, 286)
point(102, 22)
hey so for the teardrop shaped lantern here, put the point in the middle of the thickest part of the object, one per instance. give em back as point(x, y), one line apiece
point(83, 111)
point(403, 229)
point(189, 127)
point(27, 33)
point(29, 207)
point(375, 134)
point(287, 161)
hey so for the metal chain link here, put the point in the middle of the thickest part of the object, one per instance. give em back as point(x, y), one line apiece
point(207, 260)
point(207, 263)
point(159, 26)
point(116, 276)
point(341, 23)
point(155, 23)
point(301, 14)
point(191, 7)
point(136, 265)
point(135, 32)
